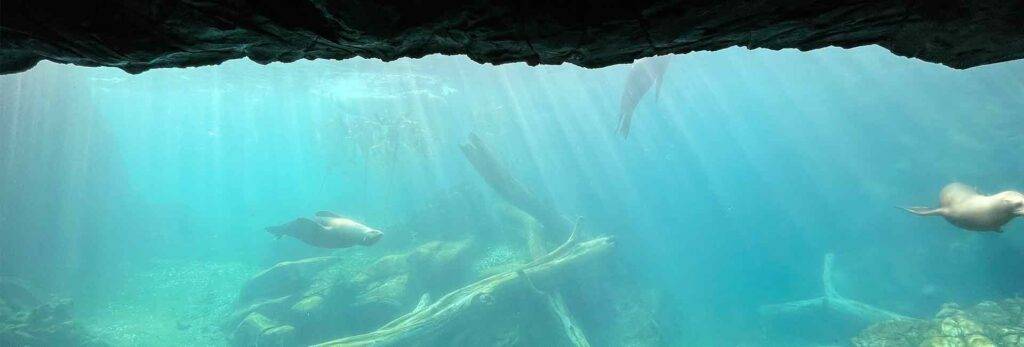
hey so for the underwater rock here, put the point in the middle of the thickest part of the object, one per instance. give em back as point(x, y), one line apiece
point(18, 293)
point(311, 300)
point(258, 330)
point(49, 324)
point(140, 35)
point(278, 336)
point(986, 324)
point(472, 309)
point(308, 305)
point(284, 278)
point(396, 281)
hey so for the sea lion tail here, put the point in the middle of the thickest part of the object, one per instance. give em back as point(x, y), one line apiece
point(658, 79)
point(328, 214)
point(277, 231)
point(624, 120)
point(922, 211)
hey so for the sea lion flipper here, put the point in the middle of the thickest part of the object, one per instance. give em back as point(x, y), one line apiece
point(299, 226)
point(305, 224)
point(923, 211)
point(624, 120)
point(328, 214)
point(278, 231)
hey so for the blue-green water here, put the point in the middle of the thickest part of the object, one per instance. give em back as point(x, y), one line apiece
point(143, 198)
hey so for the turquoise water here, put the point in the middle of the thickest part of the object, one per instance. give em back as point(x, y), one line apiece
point(144, 198)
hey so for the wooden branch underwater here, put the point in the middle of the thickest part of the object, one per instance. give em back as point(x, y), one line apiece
point(499, 178)
point(510, 189)
point(470, 305)
point(832, 303)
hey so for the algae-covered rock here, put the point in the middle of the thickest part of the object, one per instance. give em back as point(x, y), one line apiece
point(498, 259)
point(278, 336)
point(258, 330)
point(49, 324)
point(284, 278)
point(391, 290)
point(428, 259)
point(986, 324)
point(308, 305)
point(319, 298)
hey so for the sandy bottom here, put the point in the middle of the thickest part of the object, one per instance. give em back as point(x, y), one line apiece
point(170, 303)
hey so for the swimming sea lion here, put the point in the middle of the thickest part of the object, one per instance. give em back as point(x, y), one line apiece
point(328, 231)
point(964, 207)
point(642, 75)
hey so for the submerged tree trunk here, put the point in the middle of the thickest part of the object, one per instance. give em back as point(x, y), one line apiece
point(832, 302)
point(499, 178)
point(468, 308)
point(555, 224)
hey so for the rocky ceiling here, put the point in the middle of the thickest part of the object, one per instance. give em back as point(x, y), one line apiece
point(137, 35)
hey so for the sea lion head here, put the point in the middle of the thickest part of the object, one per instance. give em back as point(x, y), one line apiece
point(1011, 202)
point(1018, 207)
point(371, 237)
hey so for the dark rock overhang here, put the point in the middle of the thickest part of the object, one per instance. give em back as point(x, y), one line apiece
point(137, 35)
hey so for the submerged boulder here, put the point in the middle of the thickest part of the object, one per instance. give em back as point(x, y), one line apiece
point(18, 293)
point(986, 324)
point(300, 302)
point(284, 278)
point(258, 330)
point(28, 320)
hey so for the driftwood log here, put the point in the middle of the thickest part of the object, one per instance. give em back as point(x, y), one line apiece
point(499, 178)
point(832, 303)
point(467, 307)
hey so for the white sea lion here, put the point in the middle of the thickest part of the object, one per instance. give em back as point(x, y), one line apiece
point(964, 207)
point(643, 74)
point(328, 231)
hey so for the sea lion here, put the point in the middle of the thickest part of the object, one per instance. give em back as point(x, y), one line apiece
point(964, 207)
point(642, 75)
point(328, 231)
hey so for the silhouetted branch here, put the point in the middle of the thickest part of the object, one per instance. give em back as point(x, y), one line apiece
point(832, 302)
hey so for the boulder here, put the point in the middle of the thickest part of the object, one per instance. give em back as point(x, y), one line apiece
point(986, 324)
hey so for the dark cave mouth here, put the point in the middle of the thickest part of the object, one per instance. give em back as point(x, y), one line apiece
point(140, 36)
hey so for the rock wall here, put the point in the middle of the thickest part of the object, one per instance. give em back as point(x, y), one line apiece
point(986, 324)
point(141, 35)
